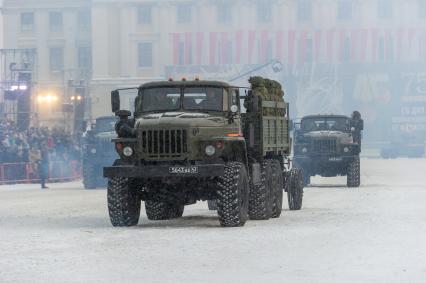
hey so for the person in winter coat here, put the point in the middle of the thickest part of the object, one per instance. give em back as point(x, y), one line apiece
point(43, 166)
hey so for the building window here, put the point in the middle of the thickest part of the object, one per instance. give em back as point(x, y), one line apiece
point(224, 13)
point(145, 54)
point(27, 21)
point(55, 21)
point(85, 58)
point(184, 13)
point(145, 14)
point(56, 59)
point(384, 9)
point(304, 10)
point(264, 12)
point(84, 20)
point(344, 10)
point(421, 7)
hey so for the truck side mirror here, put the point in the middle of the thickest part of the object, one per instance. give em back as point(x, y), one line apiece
point(115, 101)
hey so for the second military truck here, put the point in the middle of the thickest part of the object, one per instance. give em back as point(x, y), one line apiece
point(329, 145)
point(98, 151)
point(190, 141)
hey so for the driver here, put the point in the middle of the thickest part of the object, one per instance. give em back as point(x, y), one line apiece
point(211, 102)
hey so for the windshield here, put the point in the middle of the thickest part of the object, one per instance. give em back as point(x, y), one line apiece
point(203, 98)
point(325, 124)
point(191, 98)
point(105, 125)
point(160, 99)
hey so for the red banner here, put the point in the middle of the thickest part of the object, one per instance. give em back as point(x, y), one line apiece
point(330, 47)
point(354, 44)
point(199, 51)
point(317, 45)
point(264, 46)
point(238, 46)
point(291, 42)
point(279, 53)
point(251, 39)
point(188, 48)
point(213, 43)
point(176, 39)
point(302, 48)
point(363, 45)
point(374, 38)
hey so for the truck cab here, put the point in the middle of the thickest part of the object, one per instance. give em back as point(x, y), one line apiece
point(328, 145)
point(188, 141)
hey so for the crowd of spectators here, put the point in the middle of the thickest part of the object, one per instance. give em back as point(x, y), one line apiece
point(21, 145)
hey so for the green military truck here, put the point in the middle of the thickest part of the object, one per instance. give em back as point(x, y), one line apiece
point(329, 146)
point(97, 151)
point(189, 141)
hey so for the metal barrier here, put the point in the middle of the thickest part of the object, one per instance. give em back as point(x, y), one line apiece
point(23, 172)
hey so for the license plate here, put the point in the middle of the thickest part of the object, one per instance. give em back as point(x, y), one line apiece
point(183, 170)
point(335, 159)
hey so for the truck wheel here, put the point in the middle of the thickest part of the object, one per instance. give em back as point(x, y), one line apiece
point(159, 210)
point(233, 194)
point(262, 195)
point(353, 175)
point(278, 184)
point(124, 204)
point(212, 204)
point(89, 176)
point(295, 189)
point(176, 211)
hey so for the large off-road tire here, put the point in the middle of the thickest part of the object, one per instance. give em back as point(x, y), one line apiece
point(124, 204)
point(212, 204)
point(176, 211)
point(158, 210)
point(233, 195)
point(262, 195)
point(89, 175)
point(295, 189)
point(278, 187)
point(353, 174)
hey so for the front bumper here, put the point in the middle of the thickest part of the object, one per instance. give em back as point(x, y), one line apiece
point(162, 171)
point(324, 165)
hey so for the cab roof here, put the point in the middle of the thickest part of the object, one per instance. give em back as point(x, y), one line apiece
point(195, 83)
point(324, 116)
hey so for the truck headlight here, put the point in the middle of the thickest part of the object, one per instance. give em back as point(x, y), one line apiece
point(93, 150)
point(127, 151)
point(210, 150)
point(346, 149)
point(304, 150)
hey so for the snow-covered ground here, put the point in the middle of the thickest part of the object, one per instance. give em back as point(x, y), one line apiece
point(376, 233)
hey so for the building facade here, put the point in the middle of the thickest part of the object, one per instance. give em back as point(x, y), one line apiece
point(60, 33)
point(335, 55)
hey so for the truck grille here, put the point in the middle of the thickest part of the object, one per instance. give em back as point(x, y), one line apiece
point(164, 143)
point(324, 145)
